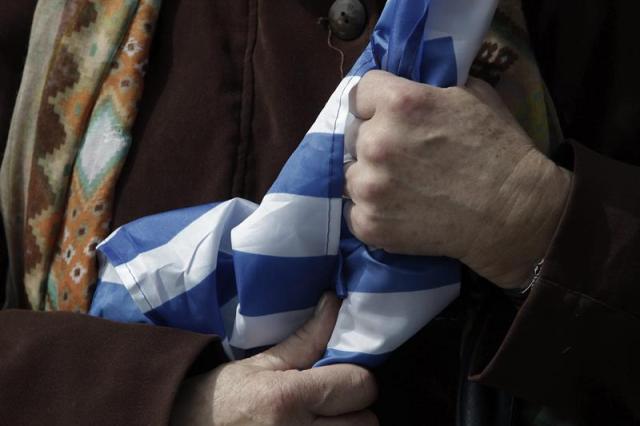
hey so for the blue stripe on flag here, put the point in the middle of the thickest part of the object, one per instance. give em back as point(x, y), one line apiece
point(439, 67)
point(401, 26)
point(280, 284)
point(377, 271)
point(114, 301)
point(149, 232)
point(315, 168)
point(334, 356)
point(365, 62)
point(226, 278)
point(196, 309)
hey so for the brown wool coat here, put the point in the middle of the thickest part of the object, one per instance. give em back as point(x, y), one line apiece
point(231, 88)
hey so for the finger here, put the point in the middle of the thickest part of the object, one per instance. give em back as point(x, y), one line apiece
point(337, 389)
point(367, 94)
point(307, 345)
point(351, 212)
point(361, 227)
point(361, 418)
point(347, 213)
point(485, 93)
point(352, 171)
point(351, 135)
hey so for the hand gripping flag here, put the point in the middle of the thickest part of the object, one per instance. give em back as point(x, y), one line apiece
point(252, 274)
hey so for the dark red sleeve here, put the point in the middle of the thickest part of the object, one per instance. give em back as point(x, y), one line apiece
point(72, 369)
point(576, 339)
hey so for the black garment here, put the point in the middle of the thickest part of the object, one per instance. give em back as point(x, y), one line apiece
point(575, 344)
point(589, 56)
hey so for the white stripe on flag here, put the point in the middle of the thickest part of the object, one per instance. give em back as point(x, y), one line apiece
point(377, 323)
point(333, 116)
point(107, 272)
point(253, 332)
point(291, 225)
point(157, 276)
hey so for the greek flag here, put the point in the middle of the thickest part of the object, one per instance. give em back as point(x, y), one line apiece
point(252, 274)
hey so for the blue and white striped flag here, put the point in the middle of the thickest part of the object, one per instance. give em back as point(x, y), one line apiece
point(254, 273)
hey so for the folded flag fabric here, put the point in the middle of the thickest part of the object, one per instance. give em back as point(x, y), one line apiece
point(253, 273)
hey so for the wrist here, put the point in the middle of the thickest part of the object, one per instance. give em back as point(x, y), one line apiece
point(533, 200)
point(193, 404)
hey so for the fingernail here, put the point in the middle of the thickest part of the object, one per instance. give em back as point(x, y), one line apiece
point(322, 303)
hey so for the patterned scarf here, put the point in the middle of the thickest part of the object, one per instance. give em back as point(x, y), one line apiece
point(69, 136)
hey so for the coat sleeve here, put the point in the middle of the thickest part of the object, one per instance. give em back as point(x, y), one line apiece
point(63, 368)
point(576, 339)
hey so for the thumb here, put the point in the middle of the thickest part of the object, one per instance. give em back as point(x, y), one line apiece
point(487, 94)
point(307, 345)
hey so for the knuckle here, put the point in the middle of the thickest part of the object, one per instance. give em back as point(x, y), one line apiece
point(458, 94)
point(455, 91)
point(373, 75)
point(375, 188)
point(308, 343)
point(367, 228)
point(302, 334)
point(482, 85)
point(405, 98)
point(376, 148)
